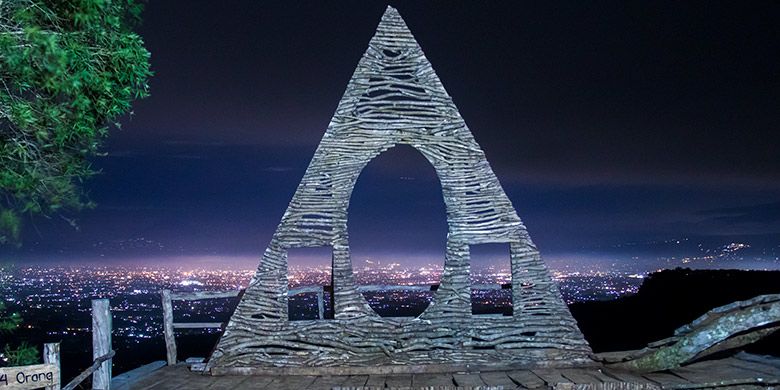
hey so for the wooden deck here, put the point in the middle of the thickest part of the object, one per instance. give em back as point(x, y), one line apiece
point(742, 371)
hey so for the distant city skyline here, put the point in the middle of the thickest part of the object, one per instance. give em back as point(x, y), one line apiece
point(606, 124)
point(730, 256)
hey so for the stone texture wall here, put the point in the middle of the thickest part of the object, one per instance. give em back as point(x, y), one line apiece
point(395, 97)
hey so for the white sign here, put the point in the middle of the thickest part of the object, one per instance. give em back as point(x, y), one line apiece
point(29, 377)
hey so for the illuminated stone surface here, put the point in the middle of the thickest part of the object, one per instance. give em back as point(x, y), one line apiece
point(395, 97)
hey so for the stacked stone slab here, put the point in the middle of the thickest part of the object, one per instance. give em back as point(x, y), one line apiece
point(395, 97)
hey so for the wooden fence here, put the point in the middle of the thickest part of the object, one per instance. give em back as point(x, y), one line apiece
point(169, 326)
point(101, 352)
point(320, 290)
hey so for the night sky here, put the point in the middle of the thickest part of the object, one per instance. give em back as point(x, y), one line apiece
point(606, 122)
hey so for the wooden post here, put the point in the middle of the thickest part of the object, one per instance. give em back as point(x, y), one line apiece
point(101, 342)
point(51, 355)
point(332, 299)
point(321, 302)
point(170, 341)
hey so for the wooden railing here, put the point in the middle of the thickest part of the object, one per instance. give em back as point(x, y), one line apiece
point(492, 286)
point(51, 355)
point(48, 374)
point(93, 370)
point(168, 297)
point(319, 290)
point(100, 370)
point(168, 325)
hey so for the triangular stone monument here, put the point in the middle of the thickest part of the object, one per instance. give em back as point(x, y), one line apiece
point(395, 97)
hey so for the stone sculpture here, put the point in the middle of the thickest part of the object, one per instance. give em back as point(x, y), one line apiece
point(395, 97)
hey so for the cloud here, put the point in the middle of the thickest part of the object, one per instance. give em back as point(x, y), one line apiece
point(188, 157)
point(278, 169)
point(125, 154)
point(194, 143)
point(766, 213)
point(614, 176)
point(108, 207)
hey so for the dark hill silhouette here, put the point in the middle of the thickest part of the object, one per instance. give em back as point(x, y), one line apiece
point(667, 300)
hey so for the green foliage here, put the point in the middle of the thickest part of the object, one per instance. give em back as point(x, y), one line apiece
point(68, 69)
point(8, 322)
point(9, 226)
point(23, 354)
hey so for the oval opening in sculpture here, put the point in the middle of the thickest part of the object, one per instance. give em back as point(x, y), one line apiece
point(397, 196)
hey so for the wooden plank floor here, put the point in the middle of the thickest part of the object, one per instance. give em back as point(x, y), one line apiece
point(742, 371)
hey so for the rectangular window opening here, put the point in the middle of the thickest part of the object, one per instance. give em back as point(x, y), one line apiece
point(309, 283)
point(491, 279)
